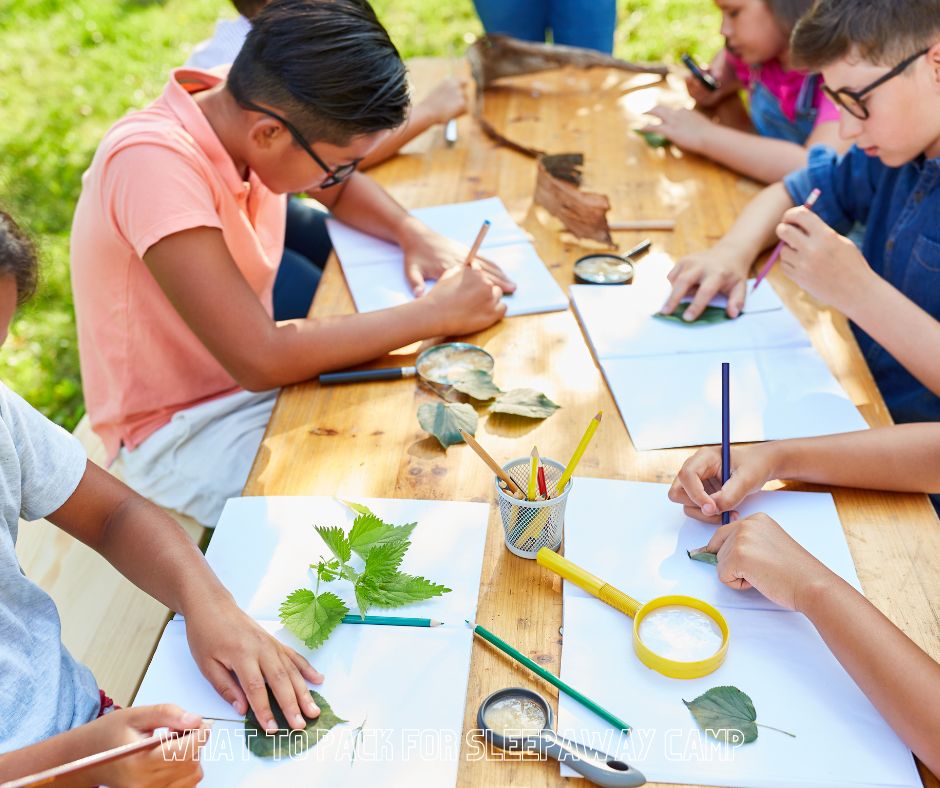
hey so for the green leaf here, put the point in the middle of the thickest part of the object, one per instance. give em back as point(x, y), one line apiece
point(524, 402)
point(725, 713)
point(444, 420)
point(384, 559)
point(477, 383)
point(400, 589)
point(287, 742)
point(336, 540)
point(710, 315)
point(328, 571)
point(312, 617)
point(653, 138)
point(702, 554)
point(358, 508)
point(369, 531)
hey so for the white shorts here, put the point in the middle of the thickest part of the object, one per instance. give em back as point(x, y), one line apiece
point(202, 456)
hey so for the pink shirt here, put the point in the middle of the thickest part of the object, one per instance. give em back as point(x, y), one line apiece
point(159, 171)
point(785, 85)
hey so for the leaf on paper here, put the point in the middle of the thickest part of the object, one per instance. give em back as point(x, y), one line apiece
point(711, 314)
point(312, 617)
point(368, 531)
point(384, 560)
point(476, 383)
point(444, 420)
point(702, 554)
point(725, 713)
point(336, 540)
point(358, 508)
point(287, 742)
point(400, 589)
point(524, 402)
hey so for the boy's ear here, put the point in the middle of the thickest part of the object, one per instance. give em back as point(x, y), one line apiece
point(933, 61)
point(266, 132)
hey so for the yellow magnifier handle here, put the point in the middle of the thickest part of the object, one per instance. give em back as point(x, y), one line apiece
point(590, 583)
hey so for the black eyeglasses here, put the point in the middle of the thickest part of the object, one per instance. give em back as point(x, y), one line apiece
point(853, 101)
point(333, 176)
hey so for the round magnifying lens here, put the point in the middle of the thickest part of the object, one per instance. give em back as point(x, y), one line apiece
point(442, 364)
point(603, 269)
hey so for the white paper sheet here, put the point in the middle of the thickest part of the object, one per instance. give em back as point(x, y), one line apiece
point(631, 535)
point(374, 272)
point(408, 685)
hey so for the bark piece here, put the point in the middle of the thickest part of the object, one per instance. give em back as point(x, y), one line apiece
point(556, 190)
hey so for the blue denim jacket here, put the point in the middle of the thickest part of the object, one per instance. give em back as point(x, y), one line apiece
point(901, 208)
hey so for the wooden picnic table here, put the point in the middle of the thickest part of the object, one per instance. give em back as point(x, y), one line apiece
point(364, 439)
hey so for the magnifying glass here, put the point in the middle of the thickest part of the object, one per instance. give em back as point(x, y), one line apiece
point(678, 636)
point(441, 365)
point(608, 269)
point(520, 720)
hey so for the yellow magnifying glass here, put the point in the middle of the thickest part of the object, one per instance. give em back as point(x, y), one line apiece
point(678, 636)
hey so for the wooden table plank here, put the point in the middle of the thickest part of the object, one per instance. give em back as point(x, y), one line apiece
point(363, 440)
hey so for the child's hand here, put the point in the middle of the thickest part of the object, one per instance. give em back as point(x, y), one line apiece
point(447, 100)
point(175, 762)
point(825, 264)
point(698, 486)
point(703, 275)
point(465, 300)
point(225, 641)
point(686, 128)
point(756, 552)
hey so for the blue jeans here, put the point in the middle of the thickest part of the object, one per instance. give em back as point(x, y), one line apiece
point(306, 247)
point(577, 23)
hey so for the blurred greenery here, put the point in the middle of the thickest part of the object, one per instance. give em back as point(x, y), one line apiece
point(70, 68)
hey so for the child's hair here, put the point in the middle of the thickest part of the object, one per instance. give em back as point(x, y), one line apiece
point(328, 65)
point(249, 8)
point(788, 12)
point(17, 257)
point(883, 32)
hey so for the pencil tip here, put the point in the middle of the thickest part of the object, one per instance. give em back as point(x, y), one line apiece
point(600, 415)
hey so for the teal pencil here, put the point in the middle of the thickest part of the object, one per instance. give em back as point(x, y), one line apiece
point(551, 678)
point(391, 621)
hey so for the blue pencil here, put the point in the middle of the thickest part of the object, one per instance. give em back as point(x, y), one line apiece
point(725, 431)
point(391, 621)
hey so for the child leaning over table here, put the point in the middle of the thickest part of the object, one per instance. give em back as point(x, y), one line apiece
point(881, 61)
point(786, 106)
point(900, 680)
point(51, 710)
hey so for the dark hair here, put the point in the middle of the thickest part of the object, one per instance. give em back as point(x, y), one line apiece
point(249, 8)
point(327, 65)
point(788, 12)
point(883, 32)
point(18, 257)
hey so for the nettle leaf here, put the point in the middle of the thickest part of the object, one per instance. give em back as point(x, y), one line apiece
point(336, 540)
point(358, 508)
point(711, 314)
point(444, 420)
point(369, 531)
point(312, 617)
point(476, 383)
point(702, 554)
point(400, 589)
point(728, 714)
point(288, 742)
point(384, 559)
point(653, 138)
point(524, 402)
point(328, 571)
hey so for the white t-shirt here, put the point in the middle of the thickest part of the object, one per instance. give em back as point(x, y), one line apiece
point(223, 47)
point(43, 690)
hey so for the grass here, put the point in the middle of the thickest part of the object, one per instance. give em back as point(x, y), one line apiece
point(70, 68)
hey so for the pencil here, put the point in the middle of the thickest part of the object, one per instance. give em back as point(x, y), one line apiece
point(533, 474)
point(810, 202)
point(484, 229)
point(551, 678)
point(540, 478)
point(643, 224)
point(725, 431)
point(494, 466)
point(391, 621)
point(576, 457)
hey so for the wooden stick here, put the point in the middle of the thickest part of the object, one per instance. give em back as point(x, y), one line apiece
point(643, 224)
point(494, 466)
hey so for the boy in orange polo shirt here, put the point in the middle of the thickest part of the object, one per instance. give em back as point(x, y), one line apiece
point(178, 233)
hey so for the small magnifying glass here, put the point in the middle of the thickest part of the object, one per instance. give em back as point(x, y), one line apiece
point(441, 365)
point(608, 269)
point(520, 720)
point(679, 636)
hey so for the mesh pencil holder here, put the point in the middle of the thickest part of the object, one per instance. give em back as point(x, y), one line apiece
point(529, 526)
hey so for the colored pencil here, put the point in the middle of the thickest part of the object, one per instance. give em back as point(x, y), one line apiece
point(775, 254)
point(391, 621)
point(725, 431)
point(578, 452)
point(494, 466)
point(532, 492)
point(643, 224)
point(551, 678)
point(484, 229)
point(540, 478)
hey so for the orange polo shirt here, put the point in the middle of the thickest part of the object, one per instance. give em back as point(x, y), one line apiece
point(157, 172)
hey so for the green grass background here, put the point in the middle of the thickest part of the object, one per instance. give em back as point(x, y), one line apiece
point(70, 68)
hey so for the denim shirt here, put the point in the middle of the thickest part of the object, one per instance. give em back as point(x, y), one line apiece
point(901, 208)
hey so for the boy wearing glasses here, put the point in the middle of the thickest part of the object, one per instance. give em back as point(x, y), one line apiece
point(178, 233)
point(881, 63)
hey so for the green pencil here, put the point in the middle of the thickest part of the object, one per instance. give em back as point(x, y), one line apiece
point(391, 621)
point(551, 678)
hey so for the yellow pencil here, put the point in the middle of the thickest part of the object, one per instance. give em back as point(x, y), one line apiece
point(533, 473)
point(576, 457)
